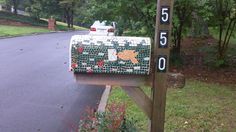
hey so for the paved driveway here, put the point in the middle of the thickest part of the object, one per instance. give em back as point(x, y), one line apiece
point(37, 92)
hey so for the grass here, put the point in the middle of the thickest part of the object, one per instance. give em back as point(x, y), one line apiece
point(132, 112)
point(16, 30)
point(64, 25)
point(197, 107)
point(39, 25)
point(201, 107)
point(32, 21)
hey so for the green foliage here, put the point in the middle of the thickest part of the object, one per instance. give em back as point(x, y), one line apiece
point(183, 10)
point(225, 19)
point(210, 51)
point(133, 112)
point(175, 60)
point(43, 8)
point(220, 63)
point(201, 19)
point(113, 120)
point(132, 15)
point(2, 1)
point(23, 19)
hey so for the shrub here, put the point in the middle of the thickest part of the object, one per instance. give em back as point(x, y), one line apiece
point(113, 120)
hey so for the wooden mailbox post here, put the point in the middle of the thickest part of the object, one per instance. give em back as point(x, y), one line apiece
point(161, 56)
point(153, 107)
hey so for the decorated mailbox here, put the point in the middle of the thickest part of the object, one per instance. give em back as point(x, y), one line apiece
point(110, 54)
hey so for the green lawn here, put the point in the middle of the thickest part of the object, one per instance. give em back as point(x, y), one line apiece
point(197, 107)
point(16, 30)
point(64, 25)
point(32, 21)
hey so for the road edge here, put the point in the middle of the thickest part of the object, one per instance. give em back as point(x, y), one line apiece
point(104, 99)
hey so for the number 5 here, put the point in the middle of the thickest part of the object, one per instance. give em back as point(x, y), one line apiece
point(165, 15)
point(163, 36)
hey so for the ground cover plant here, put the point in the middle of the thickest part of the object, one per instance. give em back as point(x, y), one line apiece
point(112, 120)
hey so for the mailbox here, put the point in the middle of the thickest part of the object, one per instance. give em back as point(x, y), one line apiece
point(110, 54)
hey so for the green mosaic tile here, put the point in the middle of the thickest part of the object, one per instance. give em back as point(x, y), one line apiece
point(110, 54)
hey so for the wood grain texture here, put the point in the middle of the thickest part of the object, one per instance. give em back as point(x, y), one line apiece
point(141, 99)
point(113, 79)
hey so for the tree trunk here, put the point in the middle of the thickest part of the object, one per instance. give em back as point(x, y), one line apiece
point(68, 20)
point(15, 6)
point(72, 19)
point(178, 40)
point(220, 52)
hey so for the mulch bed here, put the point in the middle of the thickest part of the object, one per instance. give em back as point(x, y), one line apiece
point(225, 76)
point(12, 23)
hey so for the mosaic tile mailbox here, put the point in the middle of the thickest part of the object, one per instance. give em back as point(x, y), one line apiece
point(110, 54)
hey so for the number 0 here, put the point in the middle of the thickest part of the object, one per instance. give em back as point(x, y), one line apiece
point(161, 63)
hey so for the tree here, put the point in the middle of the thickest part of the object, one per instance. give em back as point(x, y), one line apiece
point(43, 8)
point(133, 14)
point(200, 19)
point(69, 7)
point(183, 10)
point(225, 18)
point(13, 3)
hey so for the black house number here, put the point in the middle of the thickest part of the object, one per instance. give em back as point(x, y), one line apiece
point(163, 39)
point(165, 15)
point(161, 63)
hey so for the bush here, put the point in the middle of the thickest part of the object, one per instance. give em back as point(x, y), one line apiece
point(113, 120)
point(23, 19)
point(175, 60)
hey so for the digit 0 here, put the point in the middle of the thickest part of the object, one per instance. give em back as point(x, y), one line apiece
point(161, 63)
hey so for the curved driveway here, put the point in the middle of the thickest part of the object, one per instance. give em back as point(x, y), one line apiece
point(37, 92)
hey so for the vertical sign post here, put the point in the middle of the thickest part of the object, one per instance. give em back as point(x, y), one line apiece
point(161, 56)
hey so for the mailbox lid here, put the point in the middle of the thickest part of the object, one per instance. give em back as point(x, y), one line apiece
point(110, 54)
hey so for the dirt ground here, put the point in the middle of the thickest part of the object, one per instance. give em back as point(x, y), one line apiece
point(13, 23)
point(225, 76)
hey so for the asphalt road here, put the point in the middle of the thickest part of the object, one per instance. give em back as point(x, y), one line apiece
point(37, 92)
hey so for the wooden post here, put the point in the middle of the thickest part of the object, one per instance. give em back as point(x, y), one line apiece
point(161, 56)
point(141, 99)
point(51, 24)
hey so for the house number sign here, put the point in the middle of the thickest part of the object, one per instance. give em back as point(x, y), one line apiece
point(163, 39)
